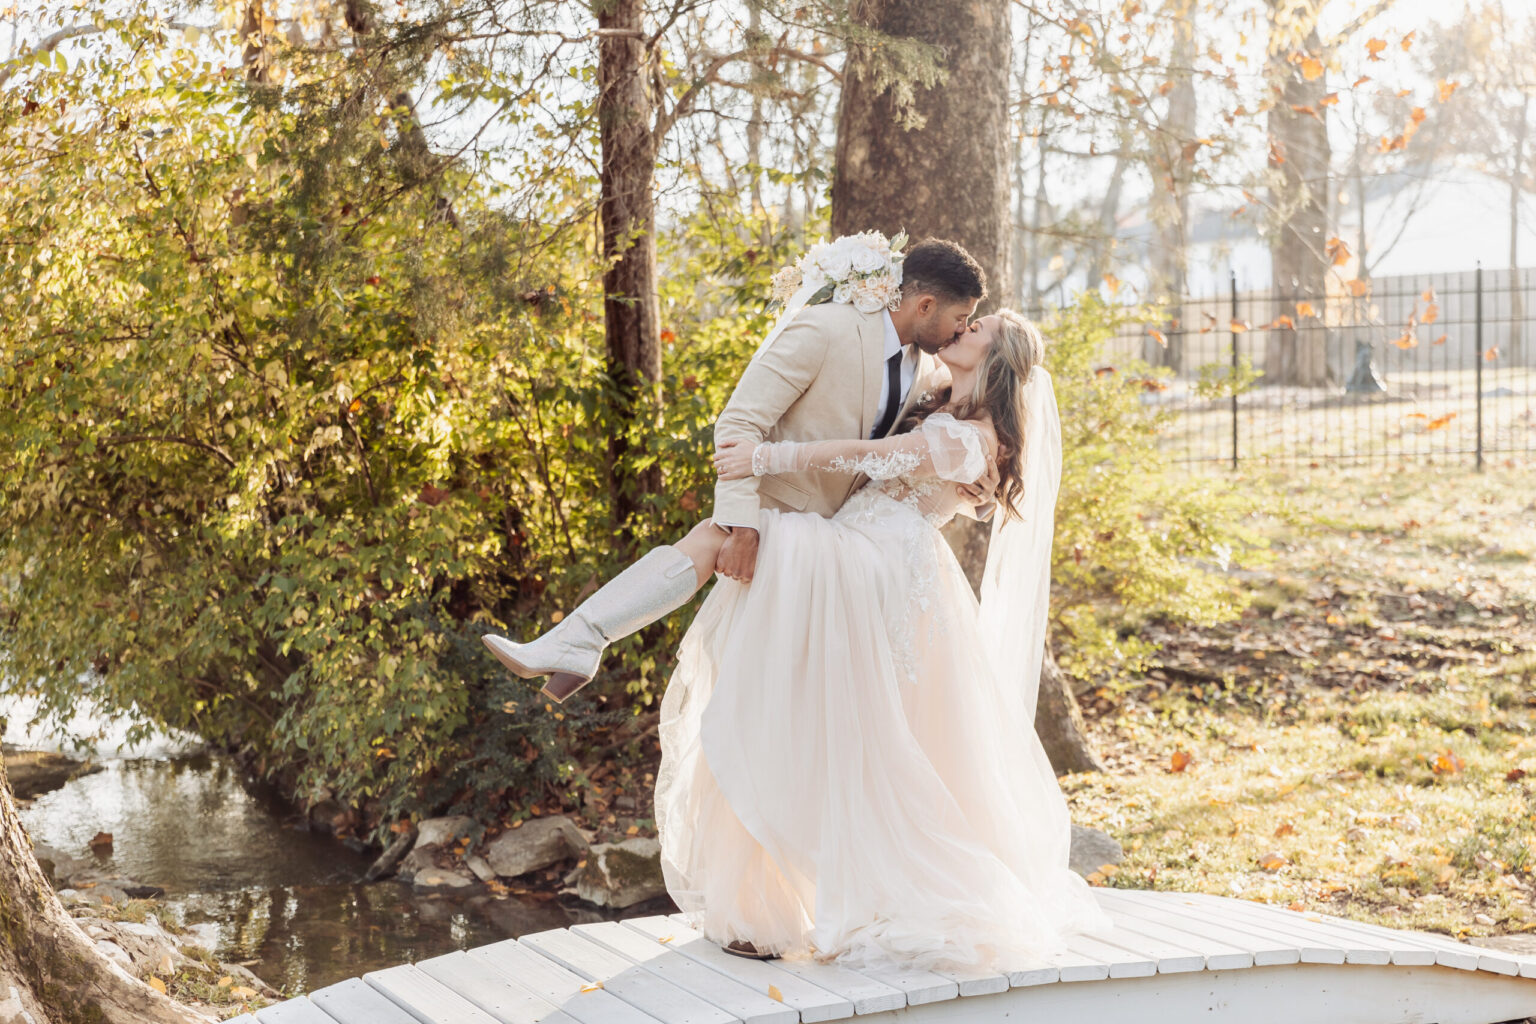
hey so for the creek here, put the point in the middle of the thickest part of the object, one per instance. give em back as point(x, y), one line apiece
point(240, 867)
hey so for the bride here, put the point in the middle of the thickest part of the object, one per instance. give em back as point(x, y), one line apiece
point(849, 765)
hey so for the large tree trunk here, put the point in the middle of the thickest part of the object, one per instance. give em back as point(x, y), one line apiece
point(947, 179)
point(50, 972)
point(1299, 151)
point(631, 306)
point(1173, 154)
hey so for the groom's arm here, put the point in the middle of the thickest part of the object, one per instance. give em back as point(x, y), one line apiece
point(771, 384)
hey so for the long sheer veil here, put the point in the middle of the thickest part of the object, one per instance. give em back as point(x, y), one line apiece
point(1016, 583)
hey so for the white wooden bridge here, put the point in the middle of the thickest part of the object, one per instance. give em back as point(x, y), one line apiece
point(1172, 959)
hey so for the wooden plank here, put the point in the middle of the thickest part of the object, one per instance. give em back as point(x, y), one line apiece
point(868, 995)
point(1122, 963)
point(1496, 961)
point(813, 1002)
point(244, 1018)
point(976, 981)
point(354, 1001)
point(585, 1001)
point(1214, 954)
point(625, 979)
point(749, 1005)
point(426, 998)
point(294, 1011)
point(1064, 965)
point(1402, 953)
point(919, 986)
point(502, 997)
point(1365, 945)
point(1168, 956)
point(1286, 994)
point(1311, 947)
point(1262, 951)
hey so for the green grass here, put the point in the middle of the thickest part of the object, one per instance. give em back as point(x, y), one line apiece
point(1360, 739)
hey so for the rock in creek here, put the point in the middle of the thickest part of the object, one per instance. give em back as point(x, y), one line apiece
point(537, 844)
point(390, 859)
point(445, 831)
point(619, 875)
point(1092, 849)
point(440, 880)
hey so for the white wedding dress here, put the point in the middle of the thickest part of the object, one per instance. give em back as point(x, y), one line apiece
point(844, 772)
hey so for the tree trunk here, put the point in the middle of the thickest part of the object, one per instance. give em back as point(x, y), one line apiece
point(50, 972)
point(1514, 345)
point(1103, 245)
point(947, 179)
point(1299, 152)
point(1059, 722)
point(1174, 157)
point(631, 305)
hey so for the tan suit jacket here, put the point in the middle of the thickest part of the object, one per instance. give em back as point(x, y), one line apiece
point(819, 381)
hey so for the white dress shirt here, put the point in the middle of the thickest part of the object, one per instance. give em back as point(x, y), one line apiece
point(908, 367)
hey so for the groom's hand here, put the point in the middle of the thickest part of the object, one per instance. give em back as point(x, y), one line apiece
point(983, 490)
point(738, 555)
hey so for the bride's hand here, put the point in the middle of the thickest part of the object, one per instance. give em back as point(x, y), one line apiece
point(733, 460)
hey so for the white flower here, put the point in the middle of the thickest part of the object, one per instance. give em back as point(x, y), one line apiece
point(843, 292)
point(836, 262)
point(867, 259)
point(786, 282)
point(873, 294)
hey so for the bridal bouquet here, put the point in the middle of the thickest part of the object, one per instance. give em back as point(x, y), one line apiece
point(864, 269)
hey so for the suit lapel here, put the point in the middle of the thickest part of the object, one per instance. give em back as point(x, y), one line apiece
point(872, 340)
point(923, 370)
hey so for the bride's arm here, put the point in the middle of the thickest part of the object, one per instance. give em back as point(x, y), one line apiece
point(950, 450)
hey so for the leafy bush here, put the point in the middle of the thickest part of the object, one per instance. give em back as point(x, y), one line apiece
point(291, 419)
point(1137, 538)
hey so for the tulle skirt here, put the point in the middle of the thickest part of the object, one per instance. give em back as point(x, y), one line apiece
point(840, 777)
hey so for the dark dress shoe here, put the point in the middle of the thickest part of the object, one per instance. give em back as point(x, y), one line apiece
point(740, 947)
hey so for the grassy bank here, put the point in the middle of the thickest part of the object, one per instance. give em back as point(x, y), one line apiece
point(1363, 741)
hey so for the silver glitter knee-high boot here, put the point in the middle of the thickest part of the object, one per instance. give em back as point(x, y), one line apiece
point(661, 580)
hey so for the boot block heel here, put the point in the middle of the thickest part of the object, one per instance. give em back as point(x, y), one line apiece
point(562, 685)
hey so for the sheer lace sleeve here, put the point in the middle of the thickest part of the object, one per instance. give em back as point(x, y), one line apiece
point(943, 446)
point(957, 449)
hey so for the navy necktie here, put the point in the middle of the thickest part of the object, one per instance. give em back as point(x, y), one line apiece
point(893, 401)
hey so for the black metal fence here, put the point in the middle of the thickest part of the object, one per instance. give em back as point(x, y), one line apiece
point(1437, 367)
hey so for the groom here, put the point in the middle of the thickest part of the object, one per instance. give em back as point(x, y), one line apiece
point(833, 373)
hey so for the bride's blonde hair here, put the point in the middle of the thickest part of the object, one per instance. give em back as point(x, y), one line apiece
point(999, 392)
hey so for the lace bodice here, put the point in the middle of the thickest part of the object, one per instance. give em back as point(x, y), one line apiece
point(918, 469)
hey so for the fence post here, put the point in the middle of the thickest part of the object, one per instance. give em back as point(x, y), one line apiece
point(1477, 362)
point(1232, 331)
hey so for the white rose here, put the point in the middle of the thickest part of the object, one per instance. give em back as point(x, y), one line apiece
point(836, 262)
point(867, 260)
point(843, 292)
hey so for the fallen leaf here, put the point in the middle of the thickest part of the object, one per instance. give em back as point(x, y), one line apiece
point(1179, 761)
point(1446, 763)
point(1272, 861)
point(774, 993)
point(1285, 828)
point(157, 985)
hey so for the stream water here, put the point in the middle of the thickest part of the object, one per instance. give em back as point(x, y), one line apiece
point(239, 866)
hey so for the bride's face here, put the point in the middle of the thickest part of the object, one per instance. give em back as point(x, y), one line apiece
point(971, 347)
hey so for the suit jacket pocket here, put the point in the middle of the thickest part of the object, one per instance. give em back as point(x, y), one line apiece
point(781, 490)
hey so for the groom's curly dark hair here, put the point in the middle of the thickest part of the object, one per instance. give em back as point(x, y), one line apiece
point(939, 267)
